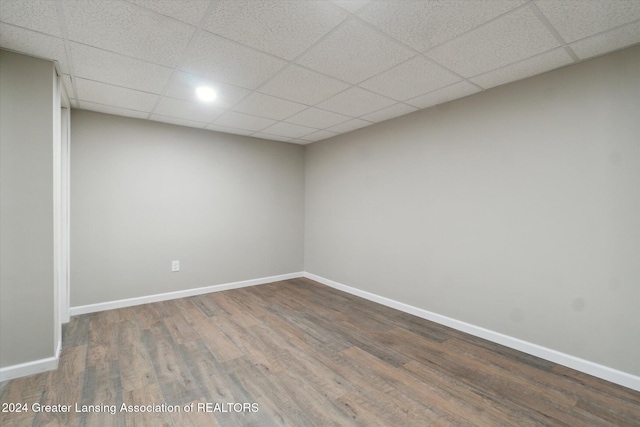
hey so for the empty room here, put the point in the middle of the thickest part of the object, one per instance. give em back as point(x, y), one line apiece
point(314, 213)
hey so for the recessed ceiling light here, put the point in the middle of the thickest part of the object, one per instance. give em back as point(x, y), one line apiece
point(206, 94)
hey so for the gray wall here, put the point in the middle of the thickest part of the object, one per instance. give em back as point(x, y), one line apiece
point(26, 209)
point(517, 210)
point(228, 207)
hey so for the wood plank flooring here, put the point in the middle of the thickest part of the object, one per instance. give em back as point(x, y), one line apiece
point(307, 355)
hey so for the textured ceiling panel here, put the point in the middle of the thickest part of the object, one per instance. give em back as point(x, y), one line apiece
point(302, 85)
point(68, 86)
point(188, 11)
point(356, 102)
point(526, 68)
point(37, 44)
point(243, 121)
point(268, 106)
point(425, 24)
point(349, 126)
point(354, 52)
point(496, 44)
point(281, 27)
point(575, 20)
point(188, 110)
point(37, 15)
point(100, 65)
point(389, 112)
point(114, 96)
point(314, 117)
point(182, 86)
point(350, 5)
point(449, 93)
point(320, 135)
point(127, 29)
point(288, 130)
point(219, 59)
point(606, 42)
point(414, 77)
point(106, 109)
point(303, 71)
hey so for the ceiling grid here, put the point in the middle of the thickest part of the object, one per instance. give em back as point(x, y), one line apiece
point(300, 71)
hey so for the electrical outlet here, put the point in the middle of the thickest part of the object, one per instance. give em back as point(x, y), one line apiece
point(175, 266)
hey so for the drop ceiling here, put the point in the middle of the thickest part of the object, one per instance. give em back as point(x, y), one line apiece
point(303, 71)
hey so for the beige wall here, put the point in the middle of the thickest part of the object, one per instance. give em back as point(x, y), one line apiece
point(229, 208)
point(517, 210)
point(27, 326)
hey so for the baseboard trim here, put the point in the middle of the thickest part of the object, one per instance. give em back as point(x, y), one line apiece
point(29, 368)
point(59, 349)
point(129, 302)
point(600, 371)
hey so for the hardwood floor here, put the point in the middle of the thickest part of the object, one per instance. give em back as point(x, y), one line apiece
point(306, 354)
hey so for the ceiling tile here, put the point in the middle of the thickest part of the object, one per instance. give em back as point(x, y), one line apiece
point(578, 19)
point(243, 121)
point(414, 77)
point(114, 96)
point(354, 52)
point(289, 130)
point(302, 85)
point(440, 96)
point(222, 60)
point(177, 121)
point(389, 112)
point(356, 102)
point(35, 44)
point(267, 106)
point(426, 24)
point(360, 60)
point(316, 118)
point(350, 5)
point(281, 27)
point(520, 70)
point(225, 129)
point(189, 11)
point(106, 109)
point(37, 15)
point(68, 86)
point(199, 112)
point(606, 42)
point(506, 40)
point(124, 28)
point(97, 64)
point(183, 86)
point(318, 136)
point(271, 137)
point(349, 126)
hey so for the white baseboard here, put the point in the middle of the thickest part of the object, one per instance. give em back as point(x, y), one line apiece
point(604, 372)
point(50, 363)
point(59, 348)
point(109, 305)
point(29, 368)
point(600, 371)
